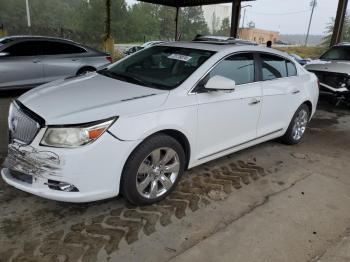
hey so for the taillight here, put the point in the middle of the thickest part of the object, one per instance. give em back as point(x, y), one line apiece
point(109, 58)
point(318, 83)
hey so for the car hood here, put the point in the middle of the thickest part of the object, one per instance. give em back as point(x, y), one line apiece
point(90, 98)
point(329, 66)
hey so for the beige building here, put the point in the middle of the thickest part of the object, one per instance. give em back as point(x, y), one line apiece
point(259, 36)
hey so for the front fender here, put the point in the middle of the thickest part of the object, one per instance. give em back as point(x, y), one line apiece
point(139, 127)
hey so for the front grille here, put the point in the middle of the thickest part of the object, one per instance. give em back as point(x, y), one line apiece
point(22, 127)
point(335, 80)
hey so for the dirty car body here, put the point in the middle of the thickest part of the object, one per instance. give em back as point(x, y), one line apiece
point(78, 139)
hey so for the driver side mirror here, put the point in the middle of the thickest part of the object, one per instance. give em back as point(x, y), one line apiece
point(4, 54)
point(218, 82)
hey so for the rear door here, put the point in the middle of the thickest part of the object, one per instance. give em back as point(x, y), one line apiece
point(281, 93)
point(22, 67)
point(61, 59)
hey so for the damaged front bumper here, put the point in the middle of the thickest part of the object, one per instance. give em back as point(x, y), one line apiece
point(336, 84)
point(84, 174)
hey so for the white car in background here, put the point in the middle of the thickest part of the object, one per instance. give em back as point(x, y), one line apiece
point(135, 126)
point(333, 72)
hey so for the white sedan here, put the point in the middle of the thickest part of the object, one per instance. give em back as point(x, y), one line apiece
point(137, 125)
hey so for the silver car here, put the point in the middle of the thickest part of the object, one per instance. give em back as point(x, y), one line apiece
point(28, 61)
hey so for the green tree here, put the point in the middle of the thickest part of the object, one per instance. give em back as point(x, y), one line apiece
point(192, 22)
point(166, 17)
point(225, 28)
point(143, 22)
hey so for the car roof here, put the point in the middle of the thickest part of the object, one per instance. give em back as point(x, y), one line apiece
point(26, 37)
point(223, 40)
point(225, 48)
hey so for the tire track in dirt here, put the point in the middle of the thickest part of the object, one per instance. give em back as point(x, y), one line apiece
point(104, 233)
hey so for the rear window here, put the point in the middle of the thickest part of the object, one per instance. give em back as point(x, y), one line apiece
point(273, 67)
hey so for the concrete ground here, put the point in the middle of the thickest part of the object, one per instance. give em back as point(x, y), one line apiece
point(268, 203)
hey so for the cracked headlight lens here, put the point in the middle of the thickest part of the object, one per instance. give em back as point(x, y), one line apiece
point(75, 136)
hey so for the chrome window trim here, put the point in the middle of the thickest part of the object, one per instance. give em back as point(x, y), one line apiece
point(244, 52)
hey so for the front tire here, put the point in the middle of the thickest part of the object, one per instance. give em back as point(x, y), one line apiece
point(297, 126)
point(153, 170)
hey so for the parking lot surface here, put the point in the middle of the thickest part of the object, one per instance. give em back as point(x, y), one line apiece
point(268, 203)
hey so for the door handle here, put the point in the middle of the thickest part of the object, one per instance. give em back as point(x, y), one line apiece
point(75, 60)
point(254, 102)
point(295, 92)
point(36, 61)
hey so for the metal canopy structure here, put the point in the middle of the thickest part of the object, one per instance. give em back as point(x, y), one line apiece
point(186, 3)
point(339, 22)
point(236, 9)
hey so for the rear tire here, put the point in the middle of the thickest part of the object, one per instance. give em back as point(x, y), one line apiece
point(153, 170)
point(297, 126)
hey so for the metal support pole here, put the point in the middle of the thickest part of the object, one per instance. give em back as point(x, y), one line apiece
point(236, 10)
point(108, 19)
point(177, 24)
point(339, 22)
point(28, 14)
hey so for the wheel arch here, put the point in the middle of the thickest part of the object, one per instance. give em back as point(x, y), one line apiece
point(81, 69)
point(177, 135)
point(181, 138)
point(309, 105)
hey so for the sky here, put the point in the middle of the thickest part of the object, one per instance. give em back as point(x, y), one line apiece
point(289, 16)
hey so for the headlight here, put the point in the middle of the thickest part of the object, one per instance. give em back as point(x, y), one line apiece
point(75, 136)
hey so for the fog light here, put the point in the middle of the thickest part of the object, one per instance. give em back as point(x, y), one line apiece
point(61, 186)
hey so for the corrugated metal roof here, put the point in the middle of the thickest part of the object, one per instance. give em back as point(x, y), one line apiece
point(183, 3)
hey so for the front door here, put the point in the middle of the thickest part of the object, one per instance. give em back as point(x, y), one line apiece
point(229, 119)
point(22, 67)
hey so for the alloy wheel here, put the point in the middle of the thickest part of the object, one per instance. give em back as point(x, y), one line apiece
point(157, 173)
point(300, 124)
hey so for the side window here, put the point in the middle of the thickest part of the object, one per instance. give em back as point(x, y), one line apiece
point(28, 48)
point(59, 48)
point(273, 67)
point(239, 68)
point(292, 70)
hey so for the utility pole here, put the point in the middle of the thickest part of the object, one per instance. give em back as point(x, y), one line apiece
point(313, 4)
point(28, 14)
point(244, 14)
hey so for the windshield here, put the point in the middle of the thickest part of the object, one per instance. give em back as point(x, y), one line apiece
point(337, 53)
point(159, 67)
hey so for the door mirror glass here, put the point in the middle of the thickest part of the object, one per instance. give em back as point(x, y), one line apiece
point(218, 82)
point(4, 54)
